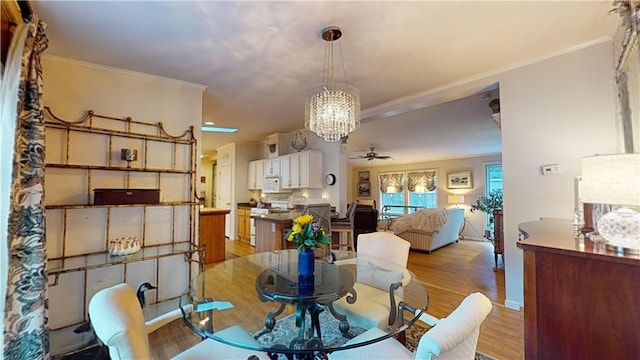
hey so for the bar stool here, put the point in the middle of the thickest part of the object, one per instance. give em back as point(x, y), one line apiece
point(345, 225)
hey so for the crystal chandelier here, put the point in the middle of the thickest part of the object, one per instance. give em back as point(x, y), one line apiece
point(332, 109)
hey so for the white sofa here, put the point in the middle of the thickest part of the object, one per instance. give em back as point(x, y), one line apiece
point(431, 240)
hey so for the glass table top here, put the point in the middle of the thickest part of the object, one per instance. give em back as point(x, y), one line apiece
point(264, 295)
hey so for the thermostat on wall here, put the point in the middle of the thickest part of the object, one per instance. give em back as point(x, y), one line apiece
point(551, 169)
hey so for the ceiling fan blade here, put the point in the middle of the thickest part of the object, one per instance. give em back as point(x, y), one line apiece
point(384, 157)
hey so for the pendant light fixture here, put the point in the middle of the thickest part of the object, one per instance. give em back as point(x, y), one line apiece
point(332, 109)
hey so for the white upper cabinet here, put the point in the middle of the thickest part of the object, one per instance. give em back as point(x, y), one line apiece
point(310, 169)
point(301, 170)
point(256, 174)
point(272, 167)
point(290, 171)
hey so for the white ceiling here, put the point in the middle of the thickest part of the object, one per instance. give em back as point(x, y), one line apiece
point(258, 59)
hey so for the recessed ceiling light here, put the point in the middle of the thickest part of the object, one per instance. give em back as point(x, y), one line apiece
point(209, 123)
point(219, 129)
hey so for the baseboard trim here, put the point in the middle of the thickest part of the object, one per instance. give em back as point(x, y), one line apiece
point(474, 239)
point(513, 305)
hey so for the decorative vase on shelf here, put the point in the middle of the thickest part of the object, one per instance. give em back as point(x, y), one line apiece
point(306, 262)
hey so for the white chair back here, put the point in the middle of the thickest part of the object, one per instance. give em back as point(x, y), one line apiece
point(386, 246)
point(321, 214)
point(118, 321)
point(456, 336)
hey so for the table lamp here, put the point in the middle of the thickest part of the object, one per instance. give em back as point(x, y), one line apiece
point(455, 199)
point(614, 180)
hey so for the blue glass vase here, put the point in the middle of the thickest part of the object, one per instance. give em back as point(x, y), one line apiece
point(306, 285)
point(306, 262)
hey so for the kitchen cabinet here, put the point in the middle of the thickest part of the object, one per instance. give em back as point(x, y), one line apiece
point(301, 170)
point(256, 174)
point(310, 171)
point(272, 167)
point(290, 171)
point(244, 224)
point(212, 234)
point(270, 231)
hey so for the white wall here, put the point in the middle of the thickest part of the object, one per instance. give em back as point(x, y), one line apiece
point(72, 87)
point(475, 225)
point(554, 111)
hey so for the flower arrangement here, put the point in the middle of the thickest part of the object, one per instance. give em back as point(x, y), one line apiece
point(306, 233)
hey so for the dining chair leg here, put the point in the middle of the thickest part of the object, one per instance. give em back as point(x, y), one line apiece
point(350, 242)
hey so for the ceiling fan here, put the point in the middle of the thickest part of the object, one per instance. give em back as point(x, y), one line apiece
point(372, 155)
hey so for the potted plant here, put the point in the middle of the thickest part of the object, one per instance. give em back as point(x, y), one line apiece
point(488, 204)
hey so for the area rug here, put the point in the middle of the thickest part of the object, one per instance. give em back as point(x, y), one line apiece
point(285, 330)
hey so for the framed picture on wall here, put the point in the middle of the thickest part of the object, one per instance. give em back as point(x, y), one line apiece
point(363, 176)
point(364, 188)
point(459, 180)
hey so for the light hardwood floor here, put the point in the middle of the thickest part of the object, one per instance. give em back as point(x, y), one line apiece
point(449, 274)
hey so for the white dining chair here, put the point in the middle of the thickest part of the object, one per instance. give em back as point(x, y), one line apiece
point(376, 301)
point(452, 338)
point(118, 321)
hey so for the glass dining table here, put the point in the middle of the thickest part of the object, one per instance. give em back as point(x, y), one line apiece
point(295, 316)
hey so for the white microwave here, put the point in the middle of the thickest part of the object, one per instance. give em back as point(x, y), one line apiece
point(271, 185)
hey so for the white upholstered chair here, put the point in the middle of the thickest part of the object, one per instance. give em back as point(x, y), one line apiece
point(374, 306)
point(385, 245)
point(117, 319)
point(452, 338)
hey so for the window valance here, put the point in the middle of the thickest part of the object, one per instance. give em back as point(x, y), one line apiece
point(421, 181)
point(392, 182)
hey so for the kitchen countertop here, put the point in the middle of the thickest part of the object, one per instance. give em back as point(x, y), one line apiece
point(278, 216)
point(213, 211)
point(245, 205)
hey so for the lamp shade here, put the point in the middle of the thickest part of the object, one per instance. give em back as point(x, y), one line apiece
point(455, 199)
point(611, 179)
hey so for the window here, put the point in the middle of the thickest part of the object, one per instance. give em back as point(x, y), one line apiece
point(407, 192)
point(422, 187)
point(493, 181)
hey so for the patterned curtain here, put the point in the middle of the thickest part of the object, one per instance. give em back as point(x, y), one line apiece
point(26, 323)
point(425, 179)
point(392, 181)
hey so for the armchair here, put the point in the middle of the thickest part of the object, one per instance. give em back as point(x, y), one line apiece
point(381, 293)
point(118, 322)
point(454, 337)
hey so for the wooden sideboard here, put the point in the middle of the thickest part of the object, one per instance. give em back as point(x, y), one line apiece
point(580, 301)
point(212, 234)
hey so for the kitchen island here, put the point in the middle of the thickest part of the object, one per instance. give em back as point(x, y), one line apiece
point(270, 230)
point(212, 234)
